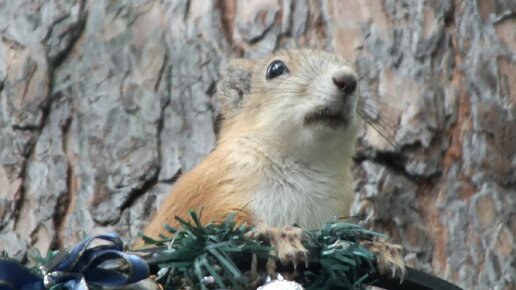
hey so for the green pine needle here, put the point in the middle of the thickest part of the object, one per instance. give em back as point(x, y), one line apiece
point(196, 251)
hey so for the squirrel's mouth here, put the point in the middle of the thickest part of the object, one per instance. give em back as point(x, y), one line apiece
point(331, 117)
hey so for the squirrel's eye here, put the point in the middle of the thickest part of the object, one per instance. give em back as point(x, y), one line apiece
point(275, 69)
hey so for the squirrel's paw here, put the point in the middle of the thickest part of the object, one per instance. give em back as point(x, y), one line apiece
point(286, 241)
point(389, 259)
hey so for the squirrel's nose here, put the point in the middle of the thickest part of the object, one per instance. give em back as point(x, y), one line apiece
point(345, 81)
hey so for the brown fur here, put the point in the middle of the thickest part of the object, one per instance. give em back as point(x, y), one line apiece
point(269, 163)
point(208, 188)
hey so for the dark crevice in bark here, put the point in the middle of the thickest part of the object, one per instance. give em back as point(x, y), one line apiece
point(508, 15)
point(164, 74)
point(45, 112)
point(18, 127)
point(142, 190)
point(392, 160)
point(75, 32)
point(163, 71)
point(63, 202)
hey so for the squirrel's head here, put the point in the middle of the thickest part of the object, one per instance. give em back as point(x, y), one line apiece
point(295, 97)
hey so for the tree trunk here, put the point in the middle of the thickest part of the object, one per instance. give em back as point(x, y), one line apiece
point(104, 103)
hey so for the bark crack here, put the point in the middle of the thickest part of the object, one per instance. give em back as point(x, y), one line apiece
point(63, 202)
point(164, 72)
point(74, 32)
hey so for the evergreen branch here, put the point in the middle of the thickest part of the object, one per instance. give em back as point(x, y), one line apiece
point(224, 252)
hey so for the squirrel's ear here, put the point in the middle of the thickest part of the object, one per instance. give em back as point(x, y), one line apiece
point(235, 85)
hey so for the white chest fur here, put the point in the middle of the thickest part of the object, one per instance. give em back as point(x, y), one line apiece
point(295, 193)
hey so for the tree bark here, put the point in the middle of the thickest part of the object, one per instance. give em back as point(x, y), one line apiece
point(104, 103)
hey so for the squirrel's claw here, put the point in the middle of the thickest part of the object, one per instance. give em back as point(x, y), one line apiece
point(286, 241)
point(389, 258)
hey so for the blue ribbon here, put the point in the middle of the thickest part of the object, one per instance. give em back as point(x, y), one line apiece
point(79, 267)
point(14, 275)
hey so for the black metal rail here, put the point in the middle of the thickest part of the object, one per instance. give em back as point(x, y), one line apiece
point(415, 280)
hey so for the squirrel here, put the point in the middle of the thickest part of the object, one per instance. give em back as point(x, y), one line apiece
point(284, 152)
